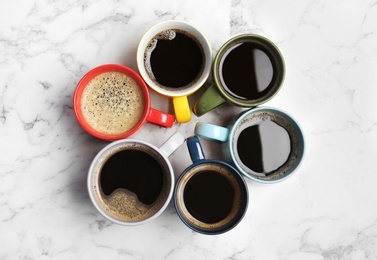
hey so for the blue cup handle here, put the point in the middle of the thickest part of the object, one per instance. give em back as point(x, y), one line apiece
point(212, 132)
point(195, 149)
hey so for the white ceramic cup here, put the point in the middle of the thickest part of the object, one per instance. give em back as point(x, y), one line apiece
point(179, 95)
point(160, 155)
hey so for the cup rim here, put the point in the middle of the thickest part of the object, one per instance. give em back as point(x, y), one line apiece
point(81, 85)
point(282, 113)
point(240, 179)
point(173, 24)
point(231, 42)
point(98, 159)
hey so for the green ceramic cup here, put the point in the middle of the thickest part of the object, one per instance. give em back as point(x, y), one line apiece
point(245, 62)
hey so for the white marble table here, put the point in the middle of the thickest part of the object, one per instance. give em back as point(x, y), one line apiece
point(327, 210)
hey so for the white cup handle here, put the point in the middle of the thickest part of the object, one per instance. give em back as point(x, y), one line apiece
point(172, 144)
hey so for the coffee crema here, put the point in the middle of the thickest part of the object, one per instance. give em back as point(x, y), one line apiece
point(212, 196)
point(265, 145)
point(133, 182)
point(246, 71)
point(174, 59)
point(113, 103)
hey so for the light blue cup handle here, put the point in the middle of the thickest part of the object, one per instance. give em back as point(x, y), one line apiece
point(212, 132)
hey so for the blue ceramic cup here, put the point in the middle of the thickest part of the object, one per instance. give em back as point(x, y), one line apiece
point(210, 196)
point(264, 143)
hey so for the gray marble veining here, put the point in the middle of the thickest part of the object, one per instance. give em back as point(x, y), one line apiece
point(325, 211)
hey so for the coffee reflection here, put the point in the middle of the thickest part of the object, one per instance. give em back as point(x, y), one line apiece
point(263, 147)
point(246, 71)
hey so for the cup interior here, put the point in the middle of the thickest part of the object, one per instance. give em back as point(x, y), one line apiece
point(286, 144)
point(127, 214)
point(77, 100)
point(272, 54)
point(174, 25)
point(189, 212)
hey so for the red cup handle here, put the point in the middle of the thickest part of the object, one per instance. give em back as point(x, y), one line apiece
point(158, 117)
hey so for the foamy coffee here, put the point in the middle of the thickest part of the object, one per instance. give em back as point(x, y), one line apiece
point(113, 103)
point(132, 182)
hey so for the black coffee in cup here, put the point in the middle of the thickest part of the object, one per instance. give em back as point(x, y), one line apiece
point(266, 144)
point(174, 59)
point(209, 196)
point(246, 70)
point(133, 182)
point(271, 147)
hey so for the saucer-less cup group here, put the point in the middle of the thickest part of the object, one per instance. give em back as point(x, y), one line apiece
point(131, 181)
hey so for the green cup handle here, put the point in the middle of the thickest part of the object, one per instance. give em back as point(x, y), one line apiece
point(211, 99)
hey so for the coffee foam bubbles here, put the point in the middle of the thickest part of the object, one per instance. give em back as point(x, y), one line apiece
point(113, 103)
point(125, 204)
point(163, 35)
point(169, 34)
point(147, 57)
point(166, 35)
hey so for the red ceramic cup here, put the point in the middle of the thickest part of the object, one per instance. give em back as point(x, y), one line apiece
point(149, 114)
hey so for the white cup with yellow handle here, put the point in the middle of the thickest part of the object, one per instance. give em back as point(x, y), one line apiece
point(174, 58)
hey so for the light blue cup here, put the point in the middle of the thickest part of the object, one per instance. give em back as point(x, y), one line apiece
point(291, 139)
point(210, 194)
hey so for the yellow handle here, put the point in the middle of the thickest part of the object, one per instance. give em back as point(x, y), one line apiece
point(181, 109)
